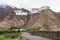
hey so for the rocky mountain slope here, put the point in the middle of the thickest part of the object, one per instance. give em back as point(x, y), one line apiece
point(47, 19)
point(8, 18)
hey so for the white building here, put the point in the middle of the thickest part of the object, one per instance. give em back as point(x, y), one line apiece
point(21, 11)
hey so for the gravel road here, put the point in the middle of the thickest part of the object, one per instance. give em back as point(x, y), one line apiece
point(31, 37)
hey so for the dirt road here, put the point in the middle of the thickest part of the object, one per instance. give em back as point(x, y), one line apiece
point(31, 37)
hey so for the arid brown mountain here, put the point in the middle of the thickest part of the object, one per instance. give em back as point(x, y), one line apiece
point(8, 18)
point(47, 19)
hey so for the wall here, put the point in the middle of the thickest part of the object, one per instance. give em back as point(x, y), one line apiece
point(53, 35)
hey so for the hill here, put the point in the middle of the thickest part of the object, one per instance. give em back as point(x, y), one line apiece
point(46, 18)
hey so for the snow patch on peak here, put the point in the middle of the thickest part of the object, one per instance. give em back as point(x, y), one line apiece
point(44, 7)
point(35, 10)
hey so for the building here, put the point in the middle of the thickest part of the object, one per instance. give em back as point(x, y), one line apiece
point(21, 11)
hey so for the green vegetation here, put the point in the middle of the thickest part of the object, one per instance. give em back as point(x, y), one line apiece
point(2, 31)
point(23, 38)
point(34, 29)
point(3, 38)
point(10, 34)
point(14, 27)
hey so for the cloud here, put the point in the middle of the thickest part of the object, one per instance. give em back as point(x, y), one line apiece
point(28, 4)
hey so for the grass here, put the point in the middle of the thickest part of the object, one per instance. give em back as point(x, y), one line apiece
point(34, 29)
point(3, 38)
point(13, 35)
point(8, 31)
point(23, 38)
point(10, 34)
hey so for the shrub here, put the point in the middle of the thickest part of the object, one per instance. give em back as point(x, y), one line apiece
point(8, 31)
point(34, 29)
point(14, 27)
point(11, 35)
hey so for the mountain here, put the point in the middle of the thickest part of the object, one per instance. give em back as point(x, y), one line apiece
point(45, 18)
point(4, 9)
point(24, 10)
point(8, 18)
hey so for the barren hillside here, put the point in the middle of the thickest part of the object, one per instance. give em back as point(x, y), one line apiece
point(47, 19)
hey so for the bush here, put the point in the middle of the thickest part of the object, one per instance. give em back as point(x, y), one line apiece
point(11, 35)
point(8, 31)
point(14, 27)
point(34, 29)
point(37, 28)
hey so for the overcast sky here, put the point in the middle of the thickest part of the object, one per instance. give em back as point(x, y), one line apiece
point(28, 4)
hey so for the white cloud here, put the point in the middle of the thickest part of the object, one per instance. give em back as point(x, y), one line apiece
point(28, 4)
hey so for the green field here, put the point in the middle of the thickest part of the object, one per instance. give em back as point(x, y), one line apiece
point(3, 38)
point(9, 34)
point(23, 38)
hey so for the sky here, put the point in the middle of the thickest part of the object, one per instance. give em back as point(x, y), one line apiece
point(29, 4)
